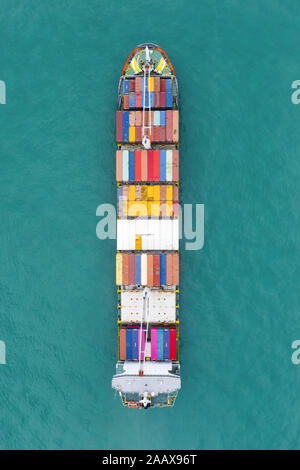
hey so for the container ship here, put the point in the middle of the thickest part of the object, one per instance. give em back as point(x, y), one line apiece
point(147, 259)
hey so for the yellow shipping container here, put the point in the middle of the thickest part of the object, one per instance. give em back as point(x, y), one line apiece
point(154, 208)
point(131, 192)
point(156, 192)
point(119, 269)
point(150, 193)
point(144, 193)
point(131, 134)
point(151, 83)
point(169, 208)
point(125, 208)
point(169, 192)
point(138, 242)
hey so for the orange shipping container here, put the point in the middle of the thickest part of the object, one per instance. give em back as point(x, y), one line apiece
point(175, 193)
point(125, 264)
point(138, 118)
point(132, 118)
point(156, 84)
point(131, 269)
point(126, 102)
point(175, 169)
point(119, 176)
point(175, 269)
point(175, 125)
point(144, 170)
point(169, 126)
point(122, 344)
point(150, 270)
point(156, 270)
point(138, 84)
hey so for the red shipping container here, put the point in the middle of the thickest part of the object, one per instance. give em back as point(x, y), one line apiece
point(172, 344)
point(169, 269)
point(157, 84)
point(162, 99)
point(156, 164)
point(175, 133)
point(156, 270)
point(138, 118)
point(169, 127)
point(176, 209)
point(156, 134)
point(138, 100)
point(150, 270)
point(175, 193)
point(119, 163)
point(131, 269)
point(175, 269)
point(138, 84)
point(126, 101)
point(175, 169)
point(144, 165)
point(125, 262)
point(162, 133)
point(156, 101)
point(150, 165)
point(122, 344)
point(138, 134)
point(137, 163)
point(119, 126)
point(132, 85)
point(163, 85)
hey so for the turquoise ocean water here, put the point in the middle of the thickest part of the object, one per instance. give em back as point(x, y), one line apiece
point(240, 296)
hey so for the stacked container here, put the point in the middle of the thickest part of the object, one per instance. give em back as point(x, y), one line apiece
point(147, 210)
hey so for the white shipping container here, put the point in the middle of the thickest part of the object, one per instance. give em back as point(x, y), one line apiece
point(169, 168)
point(144, 269)
point(157, 234)
point(162, 306)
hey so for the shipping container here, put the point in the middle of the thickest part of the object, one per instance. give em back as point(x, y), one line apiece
point(153, 344)
point(175, 269)
point(126, 101)
point(137, 165)
point(126, 86)
point(162, 133)
point(138, 84)
point(162, 99)
point(138, 100)
point(156, 270)
point(156, 100)
point(160, 342)
point(132, 85)
point(138, 134)
point(125, 166)
point(138, 118)
point(128, 344)
point(122, 344)
point(119, 170)
point(162, 118)
point(157, 84)
point(156, 118)
point(156, 134)
point(172, 344)
point(166, 349)
point(125, 126)
point(137, 269)
point(175, 165)
point(135, 344)
point(169, 126)
point(132, 100)
point(150, 165)
point(131, 134)
point(169, 166)
point(175, 126)
point(131, 263)
point(163, 85)
point(119, 269)
point(131, 118)
point(163, 269)
point(175, 193)
point(169, 263)
point(119, 126)
point(125, 267)
point(156, 165)
point(150, 270)
point(162, 169)
point(163, 192)
point(138, 192)
point(169, 100)
point(119, 201)
point(131, 165)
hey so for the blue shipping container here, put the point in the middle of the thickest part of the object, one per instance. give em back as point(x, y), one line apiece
point(128, 343)
point(169, 100)
point(169, 85)
point(144, 83)
point(137, 269)
point(125, 126)
point(131, 165)
point(163, 118)
point(163, 269)
point(160, 341)
point(162, 165)
point(135, 344)
point(131, 99)
point(152, 99)
point(126, 87)
point(166, 344)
